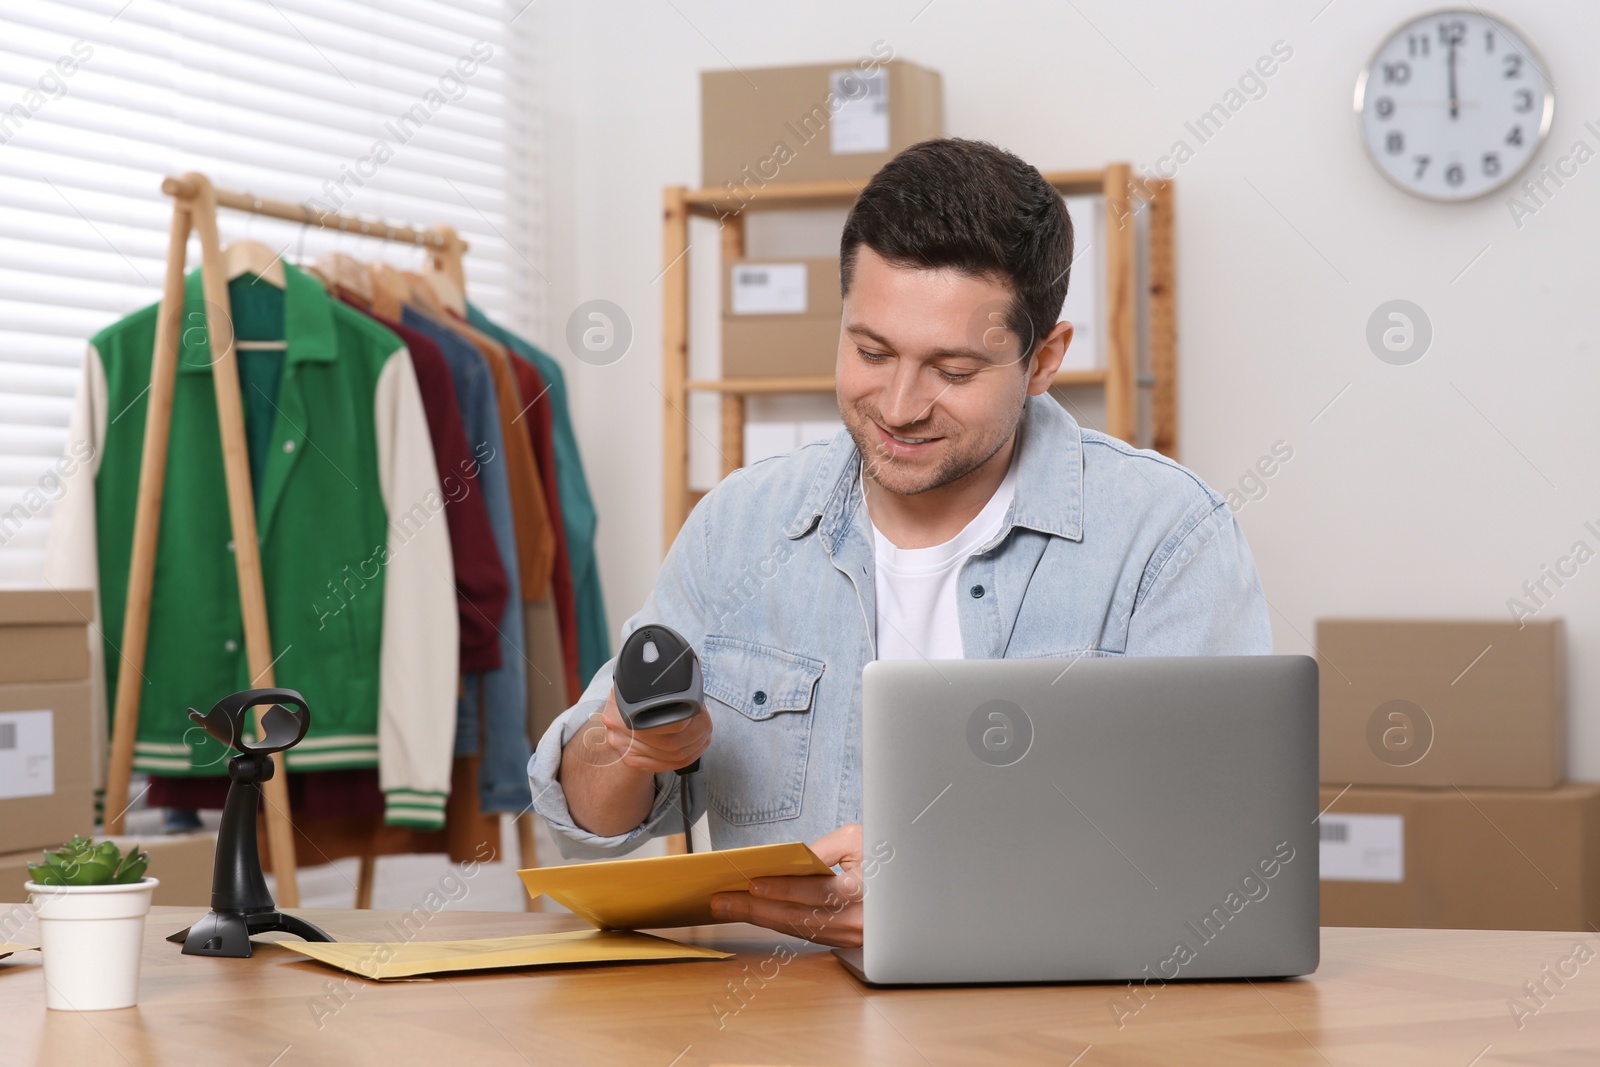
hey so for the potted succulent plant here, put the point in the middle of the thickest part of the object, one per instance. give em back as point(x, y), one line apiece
point(91, 900)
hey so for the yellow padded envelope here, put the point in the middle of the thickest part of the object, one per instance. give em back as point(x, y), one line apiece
point(665, 890)
point(384, 960)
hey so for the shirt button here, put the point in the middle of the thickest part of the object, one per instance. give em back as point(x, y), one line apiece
point(230, 645)
point(288, 446)
point(976, 591)
point(761, 696)
point(230, 546)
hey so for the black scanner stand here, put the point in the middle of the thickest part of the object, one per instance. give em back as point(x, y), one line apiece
point(241, 903)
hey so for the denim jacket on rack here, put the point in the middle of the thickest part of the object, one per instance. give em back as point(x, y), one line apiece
point(502, 694)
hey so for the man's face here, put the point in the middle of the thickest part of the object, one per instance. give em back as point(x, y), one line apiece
point(929, 380)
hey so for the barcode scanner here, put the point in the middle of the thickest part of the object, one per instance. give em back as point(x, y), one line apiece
point(657, 682)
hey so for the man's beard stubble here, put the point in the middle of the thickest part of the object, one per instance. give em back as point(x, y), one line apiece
point(892, 473)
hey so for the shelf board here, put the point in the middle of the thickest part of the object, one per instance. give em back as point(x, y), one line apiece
point(818, 384)
point(1081, 377)
point(824, 384)
point(713, 202)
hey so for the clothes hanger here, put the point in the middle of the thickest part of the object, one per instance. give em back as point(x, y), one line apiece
point(316, 272)
point(252, 257)
point(423, 294)
point(344, 271)
point(390, 290)
point(444, 287)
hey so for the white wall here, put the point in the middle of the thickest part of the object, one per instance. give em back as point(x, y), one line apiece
point(1431, 489)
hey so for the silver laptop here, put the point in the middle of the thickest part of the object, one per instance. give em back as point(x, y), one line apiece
point(1090, 819)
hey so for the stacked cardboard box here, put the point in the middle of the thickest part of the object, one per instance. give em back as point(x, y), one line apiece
point(47, 741)
point(46, 771)
point(827, 121)
point(1467, 859)
point(1443, 749)
point(780, 318)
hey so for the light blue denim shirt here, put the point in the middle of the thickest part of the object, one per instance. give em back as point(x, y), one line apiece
point(1106, 551)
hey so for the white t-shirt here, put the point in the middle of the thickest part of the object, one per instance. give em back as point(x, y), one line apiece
point(916, 587)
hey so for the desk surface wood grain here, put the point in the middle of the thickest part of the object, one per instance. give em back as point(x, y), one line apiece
point(1413, 997)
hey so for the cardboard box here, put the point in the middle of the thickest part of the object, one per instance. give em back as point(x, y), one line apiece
point(46, 773)
point(824, 122)
point(182, 863)
point(780, 317)
point(1442, 703)
point(791, 347)
point(1472, 859)
point(44, 635)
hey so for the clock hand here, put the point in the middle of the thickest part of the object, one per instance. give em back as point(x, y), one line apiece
point(1455, 110)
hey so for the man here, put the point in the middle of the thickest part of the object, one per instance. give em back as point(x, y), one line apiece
point(963, 513)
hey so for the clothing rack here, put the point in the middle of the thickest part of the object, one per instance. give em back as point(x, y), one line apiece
point(194, 210)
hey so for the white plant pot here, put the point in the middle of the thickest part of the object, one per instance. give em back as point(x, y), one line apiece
point(91, 937)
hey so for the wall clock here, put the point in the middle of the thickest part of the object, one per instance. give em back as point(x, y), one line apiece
point(1454, 104)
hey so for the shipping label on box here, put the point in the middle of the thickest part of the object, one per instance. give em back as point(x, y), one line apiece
point(27, 754)
point(861, 123)
point(46, 770)
point(768, 289)
point(1363, 848)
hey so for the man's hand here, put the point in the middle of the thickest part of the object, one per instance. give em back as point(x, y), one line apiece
point(608, 771)
point(607, 740)
point(825, 910)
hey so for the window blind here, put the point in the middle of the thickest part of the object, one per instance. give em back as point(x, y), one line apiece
point(402, 110)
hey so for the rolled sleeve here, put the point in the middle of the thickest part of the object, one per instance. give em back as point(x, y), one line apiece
point(550, 801)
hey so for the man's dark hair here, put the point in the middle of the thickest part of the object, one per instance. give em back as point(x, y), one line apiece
point(978, 209)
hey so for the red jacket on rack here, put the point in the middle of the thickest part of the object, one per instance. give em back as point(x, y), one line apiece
point(482, 587)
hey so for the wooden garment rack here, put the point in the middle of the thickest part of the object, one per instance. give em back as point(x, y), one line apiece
point(194, 210)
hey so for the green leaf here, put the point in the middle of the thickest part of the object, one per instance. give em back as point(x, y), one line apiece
point(132, 857)
point(133, 872)
point(82, 862)
point(91, 872)
point(44, 874)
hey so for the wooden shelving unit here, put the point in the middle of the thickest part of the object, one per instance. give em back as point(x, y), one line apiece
point(1120, 378)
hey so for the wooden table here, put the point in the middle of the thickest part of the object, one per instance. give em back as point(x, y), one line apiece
point(1410, 997)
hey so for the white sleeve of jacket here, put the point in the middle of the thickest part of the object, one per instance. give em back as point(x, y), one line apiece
point(72, 553)
point(419, 665)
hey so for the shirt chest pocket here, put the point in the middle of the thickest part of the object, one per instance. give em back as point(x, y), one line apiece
point(760, 700)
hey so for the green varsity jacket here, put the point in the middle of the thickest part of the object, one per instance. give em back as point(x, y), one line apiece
point(355, 552)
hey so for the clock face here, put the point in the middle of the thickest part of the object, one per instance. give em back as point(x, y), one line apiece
point(1454, 104)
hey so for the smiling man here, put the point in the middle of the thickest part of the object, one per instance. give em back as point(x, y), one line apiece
point(963, 514)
